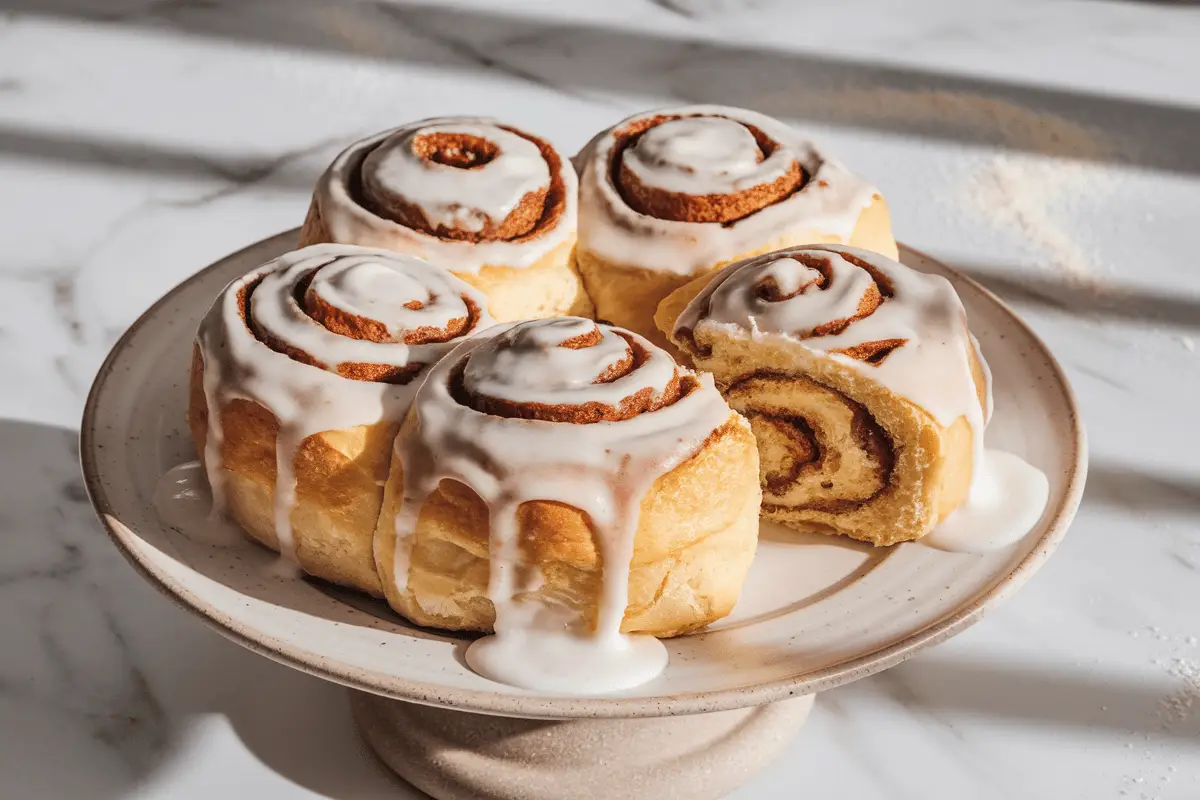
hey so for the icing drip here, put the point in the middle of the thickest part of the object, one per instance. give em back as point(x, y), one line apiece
point(709, 152)
point(466, 178)
point(1007, 498)
point(650, 417)
point(261, 342)
point(183, 500)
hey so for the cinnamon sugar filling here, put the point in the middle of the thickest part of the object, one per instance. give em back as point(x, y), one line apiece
point(794, 449)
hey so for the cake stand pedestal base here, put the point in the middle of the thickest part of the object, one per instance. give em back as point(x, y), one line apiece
point(455, 755)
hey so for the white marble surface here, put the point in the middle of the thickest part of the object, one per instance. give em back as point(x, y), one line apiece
point(1051, 149)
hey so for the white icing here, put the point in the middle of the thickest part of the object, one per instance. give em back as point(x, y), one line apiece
point(527, 365)
point(931, 369)
point(436, 189)
point(381, 292)
point(183, 500)
point(305, 399)
point(702, 154)
point(1007, 499)
point(540, 647)
point(989, 403)
point(451, 196)
point(602, 468)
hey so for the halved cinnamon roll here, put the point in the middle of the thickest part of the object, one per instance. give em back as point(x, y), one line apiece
point(668, 195)
point(493, 204)
point(301, 374)
point(866, 392)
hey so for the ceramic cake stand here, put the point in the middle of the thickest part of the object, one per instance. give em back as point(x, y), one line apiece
point(817, 612)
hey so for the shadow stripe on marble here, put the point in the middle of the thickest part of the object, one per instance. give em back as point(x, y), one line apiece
point(951, 689)
point(1088, 298)
point(87, 148)
point(571, 55)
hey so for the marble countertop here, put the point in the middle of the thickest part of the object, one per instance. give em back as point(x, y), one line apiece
point(1049, 149)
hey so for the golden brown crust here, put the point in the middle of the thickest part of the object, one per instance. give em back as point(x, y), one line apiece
point(696, 537)
point(696, 526)
point(338, 479)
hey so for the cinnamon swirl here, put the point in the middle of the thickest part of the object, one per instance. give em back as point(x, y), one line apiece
point(301, 374)
point(668, 195)
point(493, 204)
point(866, 392)
point(564, 484)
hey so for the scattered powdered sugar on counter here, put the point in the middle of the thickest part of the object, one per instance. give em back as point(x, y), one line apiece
point(1033, 197)
point(969, 115)
point(1036, 196)
point(1180, 708)
point(1177, 709)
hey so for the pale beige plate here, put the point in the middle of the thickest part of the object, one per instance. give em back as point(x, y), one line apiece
point(817, 612)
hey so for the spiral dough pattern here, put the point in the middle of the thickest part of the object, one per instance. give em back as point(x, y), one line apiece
point(465, 192)
point(679, 191)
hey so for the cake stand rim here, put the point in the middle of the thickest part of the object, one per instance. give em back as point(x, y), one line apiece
point(567, 707)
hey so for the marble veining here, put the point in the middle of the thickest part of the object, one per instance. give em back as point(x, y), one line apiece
point(1047, 149)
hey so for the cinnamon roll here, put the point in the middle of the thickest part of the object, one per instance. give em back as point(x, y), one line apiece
point(301, 374)
point(668, 195)
point(491, 203)
point(866, 392)
point(564, 483)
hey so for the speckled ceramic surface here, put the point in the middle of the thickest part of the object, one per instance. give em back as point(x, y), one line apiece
point(817, 612)
point(452, 755)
